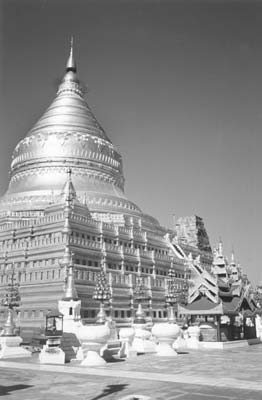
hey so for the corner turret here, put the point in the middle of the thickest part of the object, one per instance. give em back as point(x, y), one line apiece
point(70, 305)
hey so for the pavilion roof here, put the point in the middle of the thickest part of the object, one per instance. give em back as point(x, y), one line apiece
point(202, 306)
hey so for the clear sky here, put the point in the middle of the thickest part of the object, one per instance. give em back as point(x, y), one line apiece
point(176, 85)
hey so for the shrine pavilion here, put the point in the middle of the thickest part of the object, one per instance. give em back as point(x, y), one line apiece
point(221, 301)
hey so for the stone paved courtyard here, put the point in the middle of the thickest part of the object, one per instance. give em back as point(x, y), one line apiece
point(217, 375)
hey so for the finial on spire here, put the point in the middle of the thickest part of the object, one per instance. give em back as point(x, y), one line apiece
point(69, 174)
point(71, 64)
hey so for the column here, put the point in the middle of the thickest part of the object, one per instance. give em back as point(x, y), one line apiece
point(218, 329)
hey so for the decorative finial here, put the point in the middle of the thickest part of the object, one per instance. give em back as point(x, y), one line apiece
point(190, 257)
point(70, 290)
point(233, 261)
point(68, 192)
point(220, 248)
point(197, 260)
point(85, 199)
point(69, 173)
point(10, 299)
point(71, 64)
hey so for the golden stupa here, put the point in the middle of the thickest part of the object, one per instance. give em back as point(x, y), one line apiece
point(65, 207)
point(66, 136)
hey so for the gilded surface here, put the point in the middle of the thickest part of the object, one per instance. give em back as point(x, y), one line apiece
point(67, 136)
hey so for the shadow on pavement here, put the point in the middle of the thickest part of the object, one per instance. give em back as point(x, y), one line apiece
point(4, 390)
point(109, 389)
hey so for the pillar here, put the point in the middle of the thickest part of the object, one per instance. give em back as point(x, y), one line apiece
point(218, 329)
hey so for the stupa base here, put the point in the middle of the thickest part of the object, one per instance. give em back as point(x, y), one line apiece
point(52, 356)
point(93, 359)
point(10, 347)
point(165, 350)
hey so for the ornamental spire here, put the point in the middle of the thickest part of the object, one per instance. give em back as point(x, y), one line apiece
point(71, 64)
point(70, 290)
point(68, 192)
point(220, 248)
point(70, 82)
point(233, 261)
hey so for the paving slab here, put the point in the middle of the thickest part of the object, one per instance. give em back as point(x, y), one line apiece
point(234, 374)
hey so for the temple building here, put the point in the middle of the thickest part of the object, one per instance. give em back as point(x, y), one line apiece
point(222, 300)
point(65, 204)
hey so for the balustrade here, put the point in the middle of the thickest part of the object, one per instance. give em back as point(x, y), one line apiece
point(158, 283)
point(129, 250)
point(85, 243)
point(162, 257)
point(125, 231)
point(118, 278)
point(145, 253)
point(111, 247)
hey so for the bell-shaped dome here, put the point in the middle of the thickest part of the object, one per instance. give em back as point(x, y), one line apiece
point(67, 136)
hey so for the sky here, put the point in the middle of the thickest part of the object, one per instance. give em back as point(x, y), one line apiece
point(177, 86)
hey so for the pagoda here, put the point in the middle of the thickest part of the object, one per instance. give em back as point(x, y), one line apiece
point(66, 197)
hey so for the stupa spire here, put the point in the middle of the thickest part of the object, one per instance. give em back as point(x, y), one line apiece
point(68, 192)
point(70, 290)
point(71, 64)
point(67, 135)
